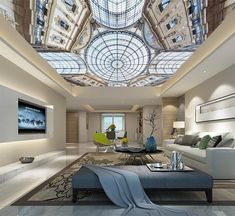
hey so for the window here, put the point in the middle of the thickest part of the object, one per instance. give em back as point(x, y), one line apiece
point(113, 118)
point(171, 24)
point(57, 39)
point(177, 39)
point(63, 24)
point(70, 5)
point(163, 5)
point(40, 22)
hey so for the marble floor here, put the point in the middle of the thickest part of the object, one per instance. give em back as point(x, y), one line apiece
point(21, 184)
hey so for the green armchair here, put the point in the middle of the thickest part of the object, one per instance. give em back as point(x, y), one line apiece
point(100, 140)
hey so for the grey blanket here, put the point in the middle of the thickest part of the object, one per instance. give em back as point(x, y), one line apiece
point(125, 190)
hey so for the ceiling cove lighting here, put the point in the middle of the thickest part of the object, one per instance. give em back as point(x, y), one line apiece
point(117, 14)
point(117, 56)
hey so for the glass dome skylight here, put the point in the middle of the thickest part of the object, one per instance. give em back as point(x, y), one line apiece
point(117, 13)
point(65, 63)
point(117, 56)
point(167, 63)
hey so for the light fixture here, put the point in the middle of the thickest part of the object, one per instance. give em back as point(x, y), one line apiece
point(204, 71)
point(178, 125)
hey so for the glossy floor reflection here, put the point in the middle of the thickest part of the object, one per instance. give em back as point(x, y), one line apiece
point(107, 210)
point(24, 182)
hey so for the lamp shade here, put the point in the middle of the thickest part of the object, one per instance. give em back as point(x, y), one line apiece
point(178, 124)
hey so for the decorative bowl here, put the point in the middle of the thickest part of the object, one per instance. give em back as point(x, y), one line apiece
point(26, 159)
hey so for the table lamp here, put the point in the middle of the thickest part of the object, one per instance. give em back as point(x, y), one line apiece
point(178, 125)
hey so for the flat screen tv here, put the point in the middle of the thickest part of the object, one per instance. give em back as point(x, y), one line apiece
point(31, 118)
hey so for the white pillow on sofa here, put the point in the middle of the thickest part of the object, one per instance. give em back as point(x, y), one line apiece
point(227, 141)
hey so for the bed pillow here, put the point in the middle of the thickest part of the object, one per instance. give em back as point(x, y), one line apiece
point(204, 142)
point(214, 141)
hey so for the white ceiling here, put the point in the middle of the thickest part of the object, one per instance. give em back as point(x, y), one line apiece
point(113, 98)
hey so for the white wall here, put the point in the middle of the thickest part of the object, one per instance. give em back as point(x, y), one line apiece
point(94, 124)
point(131, 126)
point(82, 127)
point(9, 116)
point(22, 84)
point(220, 85)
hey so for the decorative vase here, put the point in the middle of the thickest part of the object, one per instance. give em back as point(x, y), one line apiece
point(151, 144)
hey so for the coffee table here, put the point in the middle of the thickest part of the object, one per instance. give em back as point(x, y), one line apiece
point(135, 152)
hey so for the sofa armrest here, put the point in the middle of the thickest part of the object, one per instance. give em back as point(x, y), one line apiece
point(221, 162)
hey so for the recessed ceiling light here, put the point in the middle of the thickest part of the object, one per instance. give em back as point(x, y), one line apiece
point(204, 71)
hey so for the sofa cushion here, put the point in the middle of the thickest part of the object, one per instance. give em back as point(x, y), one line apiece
point(189, 140)
point(214, 141)
point(178, 139)
point(195, 154)
point(175, 147)
point(204, 142)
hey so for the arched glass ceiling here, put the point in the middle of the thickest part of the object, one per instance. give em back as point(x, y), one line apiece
point(167, 63)
point(117, 56)
point(117, 13)
point(150, 38)
point(65, 63)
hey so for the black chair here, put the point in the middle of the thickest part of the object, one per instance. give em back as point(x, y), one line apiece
point(111, 135)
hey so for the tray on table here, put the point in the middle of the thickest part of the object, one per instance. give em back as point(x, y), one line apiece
point(165, 168)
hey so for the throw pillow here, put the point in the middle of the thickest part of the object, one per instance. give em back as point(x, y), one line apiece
point(197, 144)
point(178, 139)
point(227, 140)
point(214, 141)
point(204, 142)
point(189, 140)
point(229, 143)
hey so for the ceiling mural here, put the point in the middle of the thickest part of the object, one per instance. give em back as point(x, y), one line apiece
point(115, 42)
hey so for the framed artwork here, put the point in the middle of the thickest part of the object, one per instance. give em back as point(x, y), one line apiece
point(217, 109)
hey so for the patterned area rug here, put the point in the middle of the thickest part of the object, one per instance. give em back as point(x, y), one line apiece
point(58, 189)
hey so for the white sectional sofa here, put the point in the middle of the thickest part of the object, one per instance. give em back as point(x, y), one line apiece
point(218, 162)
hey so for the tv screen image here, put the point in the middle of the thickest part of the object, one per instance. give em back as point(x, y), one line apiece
point(31, 118)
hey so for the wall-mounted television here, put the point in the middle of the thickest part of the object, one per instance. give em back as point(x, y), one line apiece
point(31, 117)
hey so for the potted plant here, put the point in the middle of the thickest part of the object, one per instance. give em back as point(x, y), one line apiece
point(124, 141)
point(151, 120)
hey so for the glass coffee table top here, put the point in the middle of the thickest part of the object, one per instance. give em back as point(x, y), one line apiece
point(133, 152)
